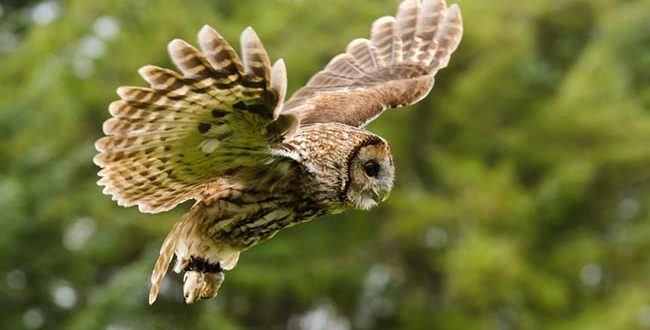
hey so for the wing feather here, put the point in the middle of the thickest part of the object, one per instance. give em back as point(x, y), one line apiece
point(220, 54)
point(363, 51)
point(256, 60)
point(396, 67)
point(447, 37)
point(164, 143)
point(407, 17)
point(384, 39)
point(279, 85)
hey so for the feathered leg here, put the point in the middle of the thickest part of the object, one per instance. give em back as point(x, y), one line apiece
point(202, 259)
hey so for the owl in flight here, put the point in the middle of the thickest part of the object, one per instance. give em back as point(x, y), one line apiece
point(220, 132)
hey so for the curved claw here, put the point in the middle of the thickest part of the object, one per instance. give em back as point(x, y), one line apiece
point(212, 284)
point(193, 287)
point(200, 285)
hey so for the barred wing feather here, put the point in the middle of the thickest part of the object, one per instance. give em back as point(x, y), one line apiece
point(396, 67)
point(165, 142)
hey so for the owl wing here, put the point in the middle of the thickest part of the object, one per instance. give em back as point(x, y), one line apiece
point(164, 143)
point(396, 67)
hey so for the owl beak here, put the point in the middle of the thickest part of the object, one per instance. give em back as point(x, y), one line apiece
point(384, 196)
point(380, 196)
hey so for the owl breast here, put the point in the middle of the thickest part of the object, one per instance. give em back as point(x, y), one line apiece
point(262, 203)
point(255, 224)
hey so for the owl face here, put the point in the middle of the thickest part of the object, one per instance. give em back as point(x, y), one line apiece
point(371, 175)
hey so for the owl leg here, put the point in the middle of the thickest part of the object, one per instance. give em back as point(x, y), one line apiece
point(212, 283)
point(202, 279)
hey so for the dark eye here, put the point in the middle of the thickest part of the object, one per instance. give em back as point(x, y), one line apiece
point(371, 168)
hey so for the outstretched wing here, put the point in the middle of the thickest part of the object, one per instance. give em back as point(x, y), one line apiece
point(396, 67)
point(165, 142)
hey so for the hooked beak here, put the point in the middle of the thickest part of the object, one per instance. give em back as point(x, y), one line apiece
point(380, 196)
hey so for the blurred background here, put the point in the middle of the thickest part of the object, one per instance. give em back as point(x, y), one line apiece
point(521, 198)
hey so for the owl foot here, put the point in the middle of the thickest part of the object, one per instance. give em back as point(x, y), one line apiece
point(201, 280)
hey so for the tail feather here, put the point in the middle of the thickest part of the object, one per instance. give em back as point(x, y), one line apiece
point(162, 264)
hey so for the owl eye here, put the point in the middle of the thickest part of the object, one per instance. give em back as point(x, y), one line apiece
point(371, 168)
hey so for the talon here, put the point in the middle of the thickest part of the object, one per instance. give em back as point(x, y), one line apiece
point(202, 279)
point(194, 286)
point(212, 284)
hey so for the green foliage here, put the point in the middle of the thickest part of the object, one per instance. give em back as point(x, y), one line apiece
point(522, 181)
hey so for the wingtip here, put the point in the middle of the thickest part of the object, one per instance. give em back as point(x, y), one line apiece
point(355, 43)
point(206, 28)
point(454, 16)
point(408, 3)
point(145, 71)
point(454, 10)
point(279, 84)
point(145, 208)
point(175, 45)
point(175, 42)
point(383, 20)
point(119, 91)
point(206, 31)
point(279, 66)
point(249, 35)
point(279, 74)
point(249, 29)
point(96, 159)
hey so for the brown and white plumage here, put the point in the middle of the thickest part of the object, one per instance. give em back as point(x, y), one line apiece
point(396, 67)
point(220, 132)
point(164, 143)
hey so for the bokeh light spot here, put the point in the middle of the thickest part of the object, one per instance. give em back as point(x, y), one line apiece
point(628, 208)
point(76, 235)
point(16, 279)
point(106, 27)
point(46, 12)
point(436, 238)
point(33, 318)
point(64, 296)
point(323, 317)
point(591, 274)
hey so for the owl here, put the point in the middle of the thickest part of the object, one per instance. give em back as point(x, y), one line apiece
point(221, 133)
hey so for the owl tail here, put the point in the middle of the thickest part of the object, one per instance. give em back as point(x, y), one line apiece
point(164, 259)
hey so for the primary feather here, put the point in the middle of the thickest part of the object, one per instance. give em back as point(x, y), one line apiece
point(166, 141)
point(396, 67)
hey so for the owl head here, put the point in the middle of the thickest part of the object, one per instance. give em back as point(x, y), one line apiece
point(370, 174)
point(350, 167)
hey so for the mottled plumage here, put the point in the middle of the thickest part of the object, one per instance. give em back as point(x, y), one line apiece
point(220, 132)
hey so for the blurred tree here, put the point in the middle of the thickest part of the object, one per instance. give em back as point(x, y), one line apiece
point(522, 187)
